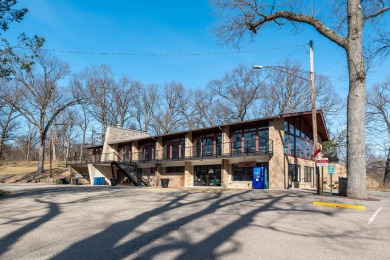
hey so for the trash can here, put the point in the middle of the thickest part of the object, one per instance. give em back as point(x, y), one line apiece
point(98, 181)
point(113, 182)
point(75, 181)
point(343, 186)
point(164, 183)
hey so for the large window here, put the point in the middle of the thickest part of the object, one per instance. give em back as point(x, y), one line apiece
point(244, 173)
point(207, 175)
point(148, 151)
point(297, 138)
point(250, 139)
point(294, 172)
point(174, 149)
point(308, 174)
point(208, 145)
point(125, 152)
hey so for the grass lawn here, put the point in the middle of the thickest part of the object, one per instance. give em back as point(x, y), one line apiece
point(17, 171)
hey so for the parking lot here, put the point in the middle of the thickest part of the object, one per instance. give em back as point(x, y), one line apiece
point(91, 222)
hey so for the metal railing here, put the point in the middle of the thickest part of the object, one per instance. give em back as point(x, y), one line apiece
point(196, 152)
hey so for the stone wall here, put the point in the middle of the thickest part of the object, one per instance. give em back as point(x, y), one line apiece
point(100, 171)
point(277, 163)
point(188, 174)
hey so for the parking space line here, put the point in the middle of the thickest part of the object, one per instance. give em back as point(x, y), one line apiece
point(373, 216)
point(338, 205)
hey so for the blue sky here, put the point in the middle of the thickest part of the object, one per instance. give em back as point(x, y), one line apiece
point(172, 29)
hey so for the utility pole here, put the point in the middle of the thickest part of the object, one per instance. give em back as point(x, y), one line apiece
point(50, 155)
point(314, 115)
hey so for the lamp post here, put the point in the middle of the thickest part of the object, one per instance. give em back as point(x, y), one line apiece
point(313, 103)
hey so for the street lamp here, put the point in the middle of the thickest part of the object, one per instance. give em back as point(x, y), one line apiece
point(313, 103)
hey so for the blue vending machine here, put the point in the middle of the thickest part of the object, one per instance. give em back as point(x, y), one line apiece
point(258, 178)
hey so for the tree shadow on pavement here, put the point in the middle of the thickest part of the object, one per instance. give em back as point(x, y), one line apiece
point(111, 243)
point(7, 241)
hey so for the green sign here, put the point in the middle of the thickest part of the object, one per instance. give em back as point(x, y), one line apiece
point(330, 169)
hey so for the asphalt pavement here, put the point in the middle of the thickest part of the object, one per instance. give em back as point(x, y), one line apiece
point(101, 222)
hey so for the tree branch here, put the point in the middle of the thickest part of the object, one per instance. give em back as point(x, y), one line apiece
point(317, 24)
point(383, 10)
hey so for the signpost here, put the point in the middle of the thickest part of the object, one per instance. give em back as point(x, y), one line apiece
point(322, 162)
point(331, 172)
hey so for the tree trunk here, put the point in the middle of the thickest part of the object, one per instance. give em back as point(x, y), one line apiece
point(356, 151)
point(386, 179)
point(41, 154)
point(1, 144)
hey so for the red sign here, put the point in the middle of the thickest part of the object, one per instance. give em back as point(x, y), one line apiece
point(322, 162)
point(247, 164)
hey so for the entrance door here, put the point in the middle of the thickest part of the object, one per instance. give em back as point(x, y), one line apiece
point(207, 175)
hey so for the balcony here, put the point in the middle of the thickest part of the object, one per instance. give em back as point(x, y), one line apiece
point(202, 152)
point(197, 152)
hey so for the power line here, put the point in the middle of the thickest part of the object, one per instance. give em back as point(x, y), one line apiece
point(162, 54)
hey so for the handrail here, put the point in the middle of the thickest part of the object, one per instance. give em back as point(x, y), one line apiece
point(133, 170)
point(195, 152)
point(201, 151)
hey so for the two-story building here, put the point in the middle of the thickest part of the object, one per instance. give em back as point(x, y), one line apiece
point(224, 155)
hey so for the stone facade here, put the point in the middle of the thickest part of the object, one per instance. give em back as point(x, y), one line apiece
point(277, 164)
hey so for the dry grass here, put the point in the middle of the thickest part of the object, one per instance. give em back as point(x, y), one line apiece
point(26, 167)
point(22, 171)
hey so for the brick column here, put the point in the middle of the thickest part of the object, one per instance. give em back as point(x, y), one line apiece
point(226, 176)
point(157, 175)
point(159, 148)
point(226, 145)
point(188, 144)
point(188, 174)
point(135, 151)
point(277, 163)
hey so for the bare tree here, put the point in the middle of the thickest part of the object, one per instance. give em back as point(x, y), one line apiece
point(145, 105)
point(124, 98)
point(168, 116)
point(8, 115)
point(239, 89)
point(210, 110)
point(286, 91)
point(36, 76)
point(378, 120)
point(98, 82)
point(342, 22)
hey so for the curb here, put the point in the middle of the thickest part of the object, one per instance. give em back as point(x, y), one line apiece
point(338, 205)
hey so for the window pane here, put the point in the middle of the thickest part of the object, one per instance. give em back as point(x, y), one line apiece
point(285, 126)
point(250, 142)
point(175, 150)
point(236, 139)
point(263, 141)
point(308, 150)
point(303, 150)
point(292, 145)
point(208, 146)
point(183, 148)
point(286, 150)
point(292, 129)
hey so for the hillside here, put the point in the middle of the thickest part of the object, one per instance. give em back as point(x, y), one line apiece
point(26, 171)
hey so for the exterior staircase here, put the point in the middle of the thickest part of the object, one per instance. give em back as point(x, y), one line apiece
point(131, 171)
